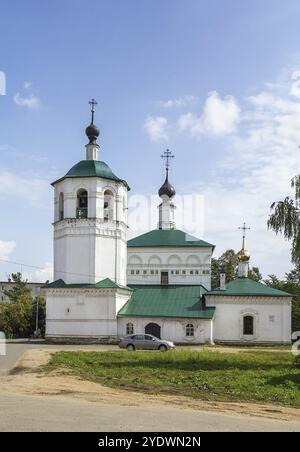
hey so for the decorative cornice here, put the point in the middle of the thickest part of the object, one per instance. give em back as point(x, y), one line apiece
point(243, 299)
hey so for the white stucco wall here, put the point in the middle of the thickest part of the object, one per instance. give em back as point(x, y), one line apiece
point(272, 318)
point(170, 259)
point(90, 250)
point(171, 329)
point(84, 312)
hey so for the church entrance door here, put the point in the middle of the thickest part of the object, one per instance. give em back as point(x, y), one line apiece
point(154, 329)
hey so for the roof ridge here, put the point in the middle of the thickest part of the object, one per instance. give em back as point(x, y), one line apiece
point(245, 286)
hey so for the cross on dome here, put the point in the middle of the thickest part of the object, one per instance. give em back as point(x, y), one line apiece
point(167, 189)
point(244, 255)
point(92, 131)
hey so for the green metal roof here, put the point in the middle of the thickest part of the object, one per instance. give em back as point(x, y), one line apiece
point(91, 168)
point(248, 287)
point(167, 237)
point(104, 284)
point(167, 301)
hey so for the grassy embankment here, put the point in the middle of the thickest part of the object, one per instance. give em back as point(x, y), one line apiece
point(246, 376)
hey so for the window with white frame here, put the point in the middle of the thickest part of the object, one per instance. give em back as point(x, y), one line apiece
point(129, 328)
point(189, 330)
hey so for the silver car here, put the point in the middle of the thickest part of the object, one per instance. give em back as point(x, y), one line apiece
point(145, 342)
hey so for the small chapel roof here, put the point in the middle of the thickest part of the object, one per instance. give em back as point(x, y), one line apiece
point(167, 301)
point(167, 237)
point(247, 287)
point(91, 168)
point(104, 284)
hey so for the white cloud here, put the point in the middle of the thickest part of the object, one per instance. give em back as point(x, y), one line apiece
point(31, 101)
point(34, 190)
point(295, 87)
point(219, 117)
point(6, 248)
point(176, 103)
point(27, 85)
point(156, 128)
point(41, 275)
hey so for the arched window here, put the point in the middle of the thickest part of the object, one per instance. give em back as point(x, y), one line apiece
point(129, 328)
point(189, 330)
point(61, 207)
point(248, 325)
point(108, 207)
point(82, 204)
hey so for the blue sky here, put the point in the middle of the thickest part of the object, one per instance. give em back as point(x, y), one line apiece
point(216, 81)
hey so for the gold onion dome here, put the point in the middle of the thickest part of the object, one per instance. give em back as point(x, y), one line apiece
point(244, 255)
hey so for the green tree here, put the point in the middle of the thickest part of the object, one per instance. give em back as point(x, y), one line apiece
point(18, 318)
point(255, 274)
point(285, 219)
point(19, 288)
point(290, 284)
point(226, 263)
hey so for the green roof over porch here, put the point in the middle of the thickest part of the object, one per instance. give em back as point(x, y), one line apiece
point(167, 301)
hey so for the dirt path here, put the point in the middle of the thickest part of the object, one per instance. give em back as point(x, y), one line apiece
point(27, 381)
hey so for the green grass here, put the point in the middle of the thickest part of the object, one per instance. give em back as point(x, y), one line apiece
point(246, 376)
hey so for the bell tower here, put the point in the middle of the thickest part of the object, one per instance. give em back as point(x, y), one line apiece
point(90, 219)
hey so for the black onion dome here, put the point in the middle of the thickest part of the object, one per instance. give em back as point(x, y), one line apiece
point(92, 132)
point(167, 189)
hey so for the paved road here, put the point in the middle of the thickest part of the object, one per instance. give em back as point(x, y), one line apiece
point(26, 413)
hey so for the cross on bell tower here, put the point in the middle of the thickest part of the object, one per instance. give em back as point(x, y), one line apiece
point(93, 103)
point(92, 132)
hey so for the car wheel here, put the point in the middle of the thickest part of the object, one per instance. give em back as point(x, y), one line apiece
point(162, 348)
point(130, 348)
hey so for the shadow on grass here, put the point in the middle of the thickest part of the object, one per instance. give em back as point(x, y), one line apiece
point(289, 380)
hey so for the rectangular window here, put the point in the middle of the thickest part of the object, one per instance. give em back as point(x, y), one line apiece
point(183, 272)
point(144, 272)
point(164, 277)
point(132, 272)
point(177, 272)
point(191, 272)
point(152, 272)
point(137, 272)
point(248, 325)
point(196, 272)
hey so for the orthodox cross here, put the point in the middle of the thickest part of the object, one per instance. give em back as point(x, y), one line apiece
point(244, 228)
point(167, 156)
point(93, 103)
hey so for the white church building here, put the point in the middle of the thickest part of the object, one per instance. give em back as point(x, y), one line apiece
point(159, 283)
